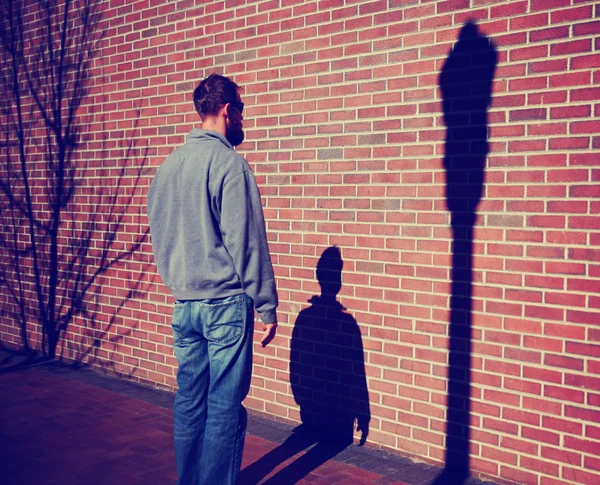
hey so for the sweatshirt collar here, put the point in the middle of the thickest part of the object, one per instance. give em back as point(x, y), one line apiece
point(199, 134)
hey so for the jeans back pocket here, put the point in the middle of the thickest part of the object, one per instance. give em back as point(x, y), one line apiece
point(224, 322)
point(179, 322)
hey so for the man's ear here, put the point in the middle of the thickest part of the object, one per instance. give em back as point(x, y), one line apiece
point(225, 110)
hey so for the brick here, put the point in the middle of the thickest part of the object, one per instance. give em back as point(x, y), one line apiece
point(561, 455)
point(556, 65)
point(557, 267)
point(571, 79)
point(583, 349)
point(519, 476)
point(579, 476)
point(571, 47)
point(539, 466)
point(587, 222)
point(583, 381)
point(556, 222)
point(586, 28)
point(576, 284)
point(541, 343)
point(565, 331)
point(501, 397)
point(569, 143)
point(582, 159)
point(564, 394)
point(585, 446)
point(570, 112)
point(571, 14)
point(565, 299)
point(522, 325)
point(502, 426)
point(549, 407)
point(547, 5)
point(499, 455)
point(519, 445)
point(526, 53)
point(540, 435)
point(592, 463)
point(577, 175)
point(521, 416)
point(553, 97)
point(522, 355)
point(563, 361)
point(546, 313)
point(566, 237)
point(592, 432)
point(582, 317)
point(570, 207)
point(551, 33)
point(547, 252)
point(529, 266)
point(529, 114)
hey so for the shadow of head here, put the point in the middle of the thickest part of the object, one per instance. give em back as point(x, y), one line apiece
point(329, 272)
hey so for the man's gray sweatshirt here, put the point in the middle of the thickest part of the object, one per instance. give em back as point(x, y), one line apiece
point(207, 225)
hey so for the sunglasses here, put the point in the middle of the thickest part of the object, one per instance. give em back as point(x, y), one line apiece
point(239, 106)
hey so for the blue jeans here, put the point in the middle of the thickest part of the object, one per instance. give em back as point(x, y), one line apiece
point(213, 345)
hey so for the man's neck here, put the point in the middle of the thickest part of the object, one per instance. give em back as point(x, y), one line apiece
point(215, 124)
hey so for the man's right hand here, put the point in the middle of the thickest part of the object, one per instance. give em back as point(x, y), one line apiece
point(270, 329)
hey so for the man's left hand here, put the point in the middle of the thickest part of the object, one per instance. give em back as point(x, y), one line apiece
point(270, 329)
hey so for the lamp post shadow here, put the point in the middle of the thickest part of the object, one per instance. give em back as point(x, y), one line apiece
point(466, 85)
point(327, 375)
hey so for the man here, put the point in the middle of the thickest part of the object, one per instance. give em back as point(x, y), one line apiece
point(210, 248)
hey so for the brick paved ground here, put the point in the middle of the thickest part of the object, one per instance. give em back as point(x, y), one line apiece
point(67, 426)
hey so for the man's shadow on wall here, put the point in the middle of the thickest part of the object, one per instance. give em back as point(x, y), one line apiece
point(466, 85)
point(327, 375)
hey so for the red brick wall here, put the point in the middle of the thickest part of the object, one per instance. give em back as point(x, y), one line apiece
point(346, 135)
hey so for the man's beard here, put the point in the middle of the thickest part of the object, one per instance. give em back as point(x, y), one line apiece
point(234, 133)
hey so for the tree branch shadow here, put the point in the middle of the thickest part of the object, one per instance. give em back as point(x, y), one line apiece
point(65, 229)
